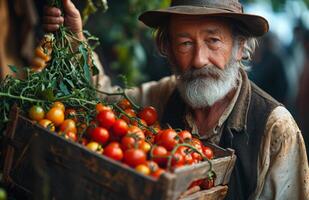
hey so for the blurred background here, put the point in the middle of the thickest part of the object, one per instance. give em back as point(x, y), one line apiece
point(280, 65)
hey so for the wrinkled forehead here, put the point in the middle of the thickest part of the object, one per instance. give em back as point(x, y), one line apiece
point(185, 23)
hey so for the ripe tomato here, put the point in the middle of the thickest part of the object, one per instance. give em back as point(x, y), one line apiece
point(134, 157)
point(68, 125)
point(197, 144)
point(149, 114)
point(136, 132)
point(100, 135)
point(143, 169)
point(158, 173)
point(113, 150)
point(70, 113)
point(106, 118)
point(207, 151)
point(136, 123)
point(186, 152)
point(145, 146)
point(94, 146)
point(159, 154)
point(56, 115)
point(100, 107)
point(207, 183)
point(58, 104)
point(39, 51)
point(130, 112)
point(178, 160)
point(128, 142)
point(195, 183)
point(36, 113)
point(168, 138)
point(47, 124)
point(124, 104)
point(185, 136)
point(153, 166)
point(70, 135)
point(120, 127)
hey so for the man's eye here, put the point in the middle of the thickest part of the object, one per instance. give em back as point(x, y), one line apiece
point(186, 43)
point(184, 47)
point(213, 40)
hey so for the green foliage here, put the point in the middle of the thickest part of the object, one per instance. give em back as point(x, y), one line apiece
point(123, 36)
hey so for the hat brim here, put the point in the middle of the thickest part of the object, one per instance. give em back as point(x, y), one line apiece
point(254, 24)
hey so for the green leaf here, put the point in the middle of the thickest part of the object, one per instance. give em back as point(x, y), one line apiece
point(13, 68)
point(85, 66)
point(63, 88)
point(48, 94)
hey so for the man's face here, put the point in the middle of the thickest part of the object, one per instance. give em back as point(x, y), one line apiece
point(205, 58)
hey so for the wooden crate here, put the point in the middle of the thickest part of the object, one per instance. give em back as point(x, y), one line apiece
point(51, 167)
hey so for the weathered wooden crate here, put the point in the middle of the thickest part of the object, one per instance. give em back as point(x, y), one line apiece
point(51, 167)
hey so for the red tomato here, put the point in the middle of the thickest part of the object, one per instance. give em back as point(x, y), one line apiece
point(106, 118)
point(113, 150)
point(195, 183)
point(130, 112)
point(178, 160)
point(100, 107)
point(185, 136)
point(186, 152)
point(149, 114)
point(134, 157)
point(136, 132)
point(124, 104)
point(158, 173)
point(168, 138)
point(207, 183)
point(207, 151)
point(160, 154)
point(100, 135)
point(128, 142)
point(120, 127)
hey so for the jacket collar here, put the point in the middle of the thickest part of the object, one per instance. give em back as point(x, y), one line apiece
point(238, 118)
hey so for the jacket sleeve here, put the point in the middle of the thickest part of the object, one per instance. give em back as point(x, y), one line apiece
point(283, 172)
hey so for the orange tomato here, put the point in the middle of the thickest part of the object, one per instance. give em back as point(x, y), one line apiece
point(47, 124)
point(143, 169)
point(56, 115)
point(39, 52)
point(68, 125)
point(100, 107)
point(58, 104)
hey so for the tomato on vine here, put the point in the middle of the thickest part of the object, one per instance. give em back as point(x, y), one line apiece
point(113, 150)
point(100, 135)
point(134, 157)
point(56, 115)
point(36, 113)
point(120, 127)
point(106, 118)
point(149, 114)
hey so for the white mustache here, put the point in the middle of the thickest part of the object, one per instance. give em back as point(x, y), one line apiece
point(210, 71)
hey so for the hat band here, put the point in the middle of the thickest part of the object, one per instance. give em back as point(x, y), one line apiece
point(229, 5)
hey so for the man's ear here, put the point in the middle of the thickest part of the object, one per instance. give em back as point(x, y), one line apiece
point(241, 46)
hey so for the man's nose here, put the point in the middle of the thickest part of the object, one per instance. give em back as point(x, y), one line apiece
point(201, 56)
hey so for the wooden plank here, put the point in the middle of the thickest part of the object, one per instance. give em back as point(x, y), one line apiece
point(215, 193)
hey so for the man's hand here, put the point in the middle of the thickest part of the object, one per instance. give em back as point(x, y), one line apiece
point(52, 19)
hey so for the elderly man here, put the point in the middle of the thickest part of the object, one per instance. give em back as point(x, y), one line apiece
point(210, 94)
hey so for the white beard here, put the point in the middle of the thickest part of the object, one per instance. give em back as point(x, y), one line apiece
point(203, 87)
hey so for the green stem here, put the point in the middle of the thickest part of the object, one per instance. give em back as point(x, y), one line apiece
point(21, 98)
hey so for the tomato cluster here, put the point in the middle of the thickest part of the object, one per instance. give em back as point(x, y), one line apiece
point(57, 118)
point(129, 135)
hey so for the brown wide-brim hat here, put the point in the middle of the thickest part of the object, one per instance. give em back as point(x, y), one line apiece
point(255, 25)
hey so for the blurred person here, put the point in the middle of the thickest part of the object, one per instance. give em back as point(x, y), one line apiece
point(209, 93)
point(268, 69)
point(303, 93)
